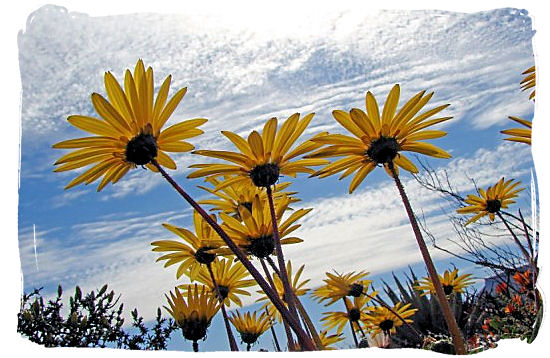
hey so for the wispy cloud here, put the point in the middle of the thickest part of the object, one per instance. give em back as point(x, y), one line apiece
point(366, 230)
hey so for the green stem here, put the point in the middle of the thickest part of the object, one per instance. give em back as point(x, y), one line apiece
point(458, 340)
point(274, 298)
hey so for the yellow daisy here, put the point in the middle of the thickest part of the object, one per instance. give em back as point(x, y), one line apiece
point(193, 316)
point(491, 201)
point(380, 139)
point(451, 282)
point(262, 158)
point(128, 132)
point(231, 197)
point(522, 135)
point(250, 326)
point(255, 233)
point(295, 283)
point(231, 278)
point(529, 81)
point(194, 251)
point(382, 320)
point(338, 286)
point(356, 313)
point(327, 340)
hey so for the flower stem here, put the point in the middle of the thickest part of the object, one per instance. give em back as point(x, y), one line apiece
point(275, 340)
point(458, 340)
point(289, 338)
point(351, 324)
point(516, 240)
point(294, 324)
point(195, 346)
point(232, 343)
point(302, 311)
point(280, 257)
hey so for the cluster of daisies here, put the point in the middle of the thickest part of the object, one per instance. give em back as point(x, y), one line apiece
point(251, 215)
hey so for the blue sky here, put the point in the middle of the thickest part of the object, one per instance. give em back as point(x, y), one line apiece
point(238, 77)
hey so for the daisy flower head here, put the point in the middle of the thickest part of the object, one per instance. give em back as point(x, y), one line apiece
point(338, 286)
point(193, 312)
point(491, 201)
point(529, 81)
point(193, 251)
point(383, 320)
point(231, 277)
point(380, 139)
point(128, 130)
point(262, 158)
point(451, 281)
point(230, 198)
point(250, 326)
point(297, 286)
point(254, 234)
point(356, 313)
point(521, 135)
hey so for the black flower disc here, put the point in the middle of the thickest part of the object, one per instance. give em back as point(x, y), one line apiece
point(264, 175)
point(142, 149)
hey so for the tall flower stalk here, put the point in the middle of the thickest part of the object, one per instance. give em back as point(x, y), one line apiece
point(380, 140)
point(293, 323)
point(456, 335)
point(129, 134)
point(232, 343)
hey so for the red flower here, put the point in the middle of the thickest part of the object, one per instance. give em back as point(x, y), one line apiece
point(523, 279)
point(501, 288)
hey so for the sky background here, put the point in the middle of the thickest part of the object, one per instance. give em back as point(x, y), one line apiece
point(239, 76)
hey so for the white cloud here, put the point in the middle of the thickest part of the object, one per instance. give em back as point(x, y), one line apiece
point(367, 230)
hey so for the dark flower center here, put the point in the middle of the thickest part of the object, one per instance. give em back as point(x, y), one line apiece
point(224, 291)
point(448, 289)
point(194, 329)
point(354, 314)
point(386, 325)
point(247, 205)
point(141, 149)
point(262, 247)
point(493, 206)
point(383, 150)
point(249, 337)
point(264, 175)
point(355, 290)
point(204, 257)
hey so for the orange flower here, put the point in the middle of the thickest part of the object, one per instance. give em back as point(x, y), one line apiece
point(501, 288)
point(510, 308)
point(523, 279)
point(517, 300)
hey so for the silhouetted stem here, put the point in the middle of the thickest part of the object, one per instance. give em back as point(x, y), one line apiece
point(273, 297)
point(516, 240)
point(351, 324)
point(302, 311)
point(280, 257)
point(289, 338)
point(275, 340)
point(458, 340)
point(195, 346)
point(232, 343)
